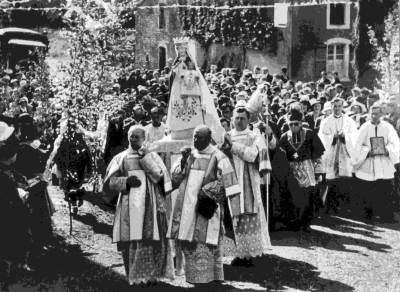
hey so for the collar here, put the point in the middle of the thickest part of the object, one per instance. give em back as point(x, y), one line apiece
point(208, 150)
point(236, 132)
point(131, 151)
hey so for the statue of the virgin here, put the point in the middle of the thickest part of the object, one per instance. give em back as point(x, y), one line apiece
point(190, 103)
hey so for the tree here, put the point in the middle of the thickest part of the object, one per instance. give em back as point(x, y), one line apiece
point(387, 53)
point(101, 50)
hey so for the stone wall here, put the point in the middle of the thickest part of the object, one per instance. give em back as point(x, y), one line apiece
point(149, 37)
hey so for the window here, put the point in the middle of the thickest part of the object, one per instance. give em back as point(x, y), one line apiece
point(162, 57)
point(161, 18)
point(338, 15)
point(338, 57)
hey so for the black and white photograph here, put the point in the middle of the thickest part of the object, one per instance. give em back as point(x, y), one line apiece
point(200, 145)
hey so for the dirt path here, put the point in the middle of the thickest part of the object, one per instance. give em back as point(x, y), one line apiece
point(339, 254)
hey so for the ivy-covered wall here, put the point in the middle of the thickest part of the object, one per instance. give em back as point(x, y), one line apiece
point(226, 38)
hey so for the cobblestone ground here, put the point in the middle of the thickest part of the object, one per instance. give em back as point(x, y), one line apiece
point(339, 254)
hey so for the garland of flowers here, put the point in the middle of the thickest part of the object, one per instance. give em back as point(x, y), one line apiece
point(251, 28)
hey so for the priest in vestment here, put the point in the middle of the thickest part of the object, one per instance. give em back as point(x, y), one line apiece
point(249, 155)
point(205, 178)
point(378, 148)
point(338, 133)
point(142, 182)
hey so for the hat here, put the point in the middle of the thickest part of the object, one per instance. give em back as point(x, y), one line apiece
point(365, 90)
point(241, 104)
point(304, 99)
point(24, 98)
point(327, 107)
point(295, 115)
point(242, 94)
point(226, 105)
point(361, 105)
point(295, 96)
point(25, 118)
point(5, 131)
point(314, 101)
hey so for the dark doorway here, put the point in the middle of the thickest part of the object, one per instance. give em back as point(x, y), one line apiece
point(162, 57)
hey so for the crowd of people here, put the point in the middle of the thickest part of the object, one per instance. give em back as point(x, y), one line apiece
point(291, 150)
point(24, 197)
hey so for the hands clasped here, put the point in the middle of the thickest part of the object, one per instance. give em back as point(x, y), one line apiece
point(338, 137)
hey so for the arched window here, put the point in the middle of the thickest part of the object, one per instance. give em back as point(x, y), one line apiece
point(338, 57)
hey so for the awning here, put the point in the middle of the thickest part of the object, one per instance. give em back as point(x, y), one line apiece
point(26, 43)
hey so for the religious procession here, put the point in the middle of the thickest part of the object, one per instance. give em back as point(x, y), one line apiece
point(179, 145)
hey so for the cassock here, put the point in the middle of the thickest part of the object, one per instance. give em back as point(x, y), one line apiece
point(208, 171)
point(303, 151)
point(337, 157)
point(250, 158)
point(140, 222)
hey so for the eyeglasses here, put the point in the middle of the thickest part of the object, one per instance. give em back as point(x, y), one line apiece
point(294, 124)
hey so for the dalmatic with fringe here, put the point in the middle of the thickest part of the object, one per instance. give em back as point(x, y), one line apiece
point(250, 158)
point(209, 171)
point(141, 221)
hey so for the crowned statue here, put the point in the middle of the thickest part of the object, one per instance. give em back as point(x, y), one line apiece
point(190, 103)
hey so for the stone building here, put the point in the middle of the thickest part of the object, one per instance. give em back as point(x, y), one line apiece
point(312, 36)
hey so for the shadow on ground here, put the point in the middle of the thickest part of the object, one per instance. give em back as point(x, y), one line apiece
point(327, 238)
point(91, 220)
point(66, 269)
point(276, 273)
point(97, 200)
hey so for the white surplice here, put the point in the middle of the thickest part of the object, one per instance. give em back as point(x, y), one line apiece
point(377, 167)
point(340, 152)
